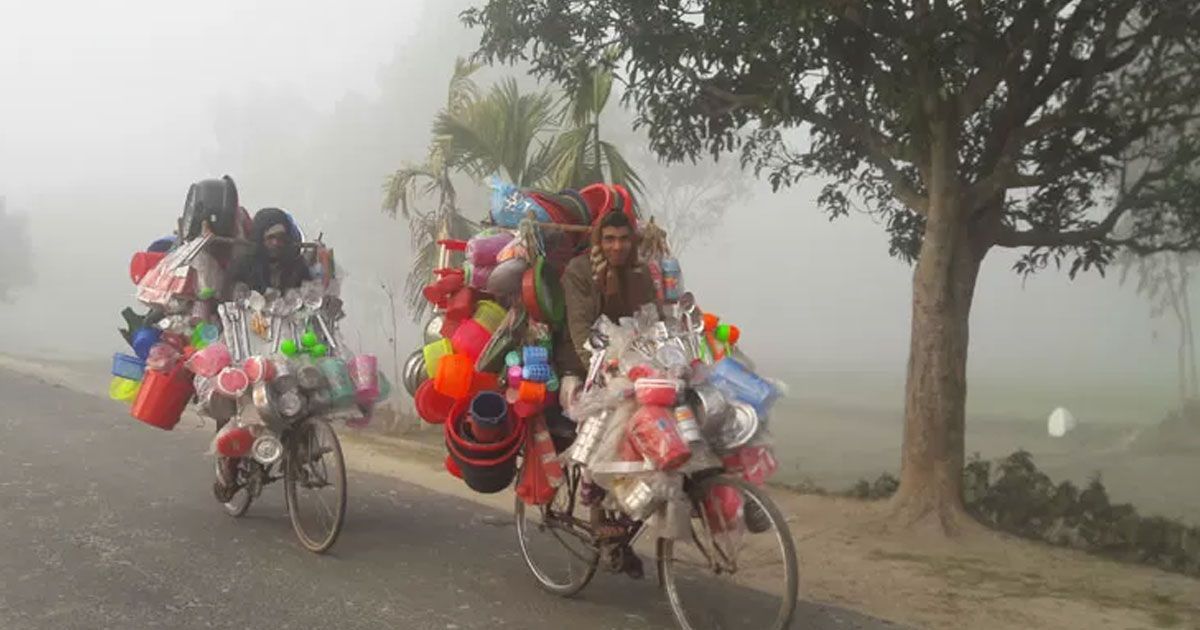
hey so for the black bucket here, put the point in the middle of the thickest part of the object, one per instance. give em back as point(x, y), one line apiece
point(486, 468)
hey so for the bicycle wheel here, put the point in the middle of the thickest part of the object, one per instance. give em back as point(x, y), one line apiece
point(314, 484)
point(556, 541)
point(737, 534)
point(241, 499)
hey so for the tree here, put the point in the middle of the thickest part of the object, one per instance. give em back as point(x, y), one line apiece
point(581, 156)
point(966, 125)
point(433, 177)
point(16, 253)
point(1164, 279)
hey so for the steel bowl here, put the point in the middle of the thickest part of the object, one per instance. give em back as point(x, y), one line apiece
point(736, 427)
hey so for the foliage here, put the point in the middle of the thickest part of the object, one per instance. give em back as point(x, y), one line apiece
point(1020, 111)
point(1014, 496)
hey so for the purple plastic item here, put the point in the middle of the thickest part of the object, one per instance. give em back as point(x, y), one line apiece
point(482, 250)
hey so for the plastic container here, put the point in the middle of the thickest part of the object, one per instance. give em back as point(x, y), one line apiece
point(490, 314)
point(672, 279)
point(433, 354)
point(163, 397)
point(470, 339)
point(234, 441)
point(538, 373)
point(656, 435)
point(364, 373)
point(143, 340)
point(535, 355)
point(479, 277)
point(232, 382)
point(259, 369)
point(723, 509)
point(506, 278)
point(486, 468)
point(689, 429)
point(461, 305)
point(515, 375)
point(341, 387)
point(660, 392)
point(128, 367)
point(531, 392)
point(756, 463)
point(162, 357)
point(433, 406)
point(454, 376)
point(482, 250)
point(209, 361)
point(142, 263)
point(736, 381)
point(488, 417)
point(123, 390)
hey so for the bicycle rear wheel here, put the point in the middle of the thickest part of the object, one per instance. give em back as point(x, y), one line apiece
point(315, 484)
point(739, 571)
point(555, 541)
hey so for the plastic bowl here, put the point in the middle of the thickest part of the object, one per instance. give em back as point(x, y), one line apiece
point(490, 314)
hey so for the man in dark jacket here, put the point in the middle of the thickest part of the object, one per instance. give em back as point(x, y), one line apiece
point(275, 262)
point(609, 280)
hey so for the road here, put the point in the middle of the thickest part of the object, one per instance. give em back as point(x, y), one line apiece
point(108, 523)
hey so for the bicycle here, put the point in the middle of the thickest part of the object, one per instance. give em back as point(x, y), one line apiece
point(684, 571)
point(309, 458)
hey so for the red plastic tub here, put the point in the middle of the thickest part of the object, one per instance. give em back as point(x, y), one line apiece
point(163, 397)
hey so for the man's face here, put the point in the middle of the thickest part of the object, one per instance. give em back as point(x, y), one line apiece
point(276, 241)
point(616, 243)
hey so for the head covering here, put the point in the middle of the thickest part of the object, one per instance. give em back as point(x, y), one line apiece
point(256, 268)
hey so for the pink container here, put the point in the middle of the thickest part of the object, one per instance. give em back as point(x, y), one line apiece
point(482, 250)
point(364, 373)
point(210, 361)
point(232, 382)
point(514, 376)
point(470, 339)
point(259, 369)
point(162, 357)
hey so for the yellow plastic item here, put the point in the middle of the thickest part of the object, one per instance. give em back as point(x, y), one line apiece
point(489, 314)
point(434, 353)
point(123, 389)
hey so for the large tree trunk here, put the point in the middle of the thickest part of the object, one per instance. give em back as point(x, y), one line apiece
point(931, 468)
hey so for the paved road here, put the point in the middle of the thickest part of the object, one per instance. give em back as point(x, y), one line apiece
point(106, 523)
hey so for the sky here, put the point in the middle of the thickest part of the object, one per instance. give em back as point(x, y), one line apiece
point(109, 110)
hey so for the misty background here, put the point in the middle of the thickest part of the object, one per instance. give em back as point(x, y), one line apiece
point(108, 111)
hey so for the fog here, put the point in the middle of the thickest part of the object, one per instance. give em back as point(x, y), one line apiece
point(108, 111)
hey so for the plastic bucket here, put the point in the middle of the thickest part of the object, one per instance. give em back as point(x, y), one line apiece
point(486, 468)
point(123, 390)
point(470, 339)
point(455, 374)
point(433, 406)
point(211, 360)
point(143, 340)
point(490, 314)
point(163, 397)
point(433, 355)
point(128, 366)
point(489, 417)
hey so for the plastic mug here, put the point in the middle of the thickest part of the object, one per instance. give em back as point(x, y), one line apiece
point(364, 372)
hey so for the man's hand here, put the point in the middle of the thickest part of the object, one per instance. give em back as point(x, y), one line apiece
point(567, 391)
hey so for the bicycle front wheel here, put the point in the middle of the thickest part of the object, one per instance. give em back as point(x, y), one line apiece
point(315, 484)
point(555, 542)
point(739, 571)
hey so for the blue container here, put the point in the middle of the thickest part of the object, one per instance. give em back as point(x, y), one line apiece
point(736, 381)
point(536, 355)
point(536, 373)
point(126, 366)
point(143, 340)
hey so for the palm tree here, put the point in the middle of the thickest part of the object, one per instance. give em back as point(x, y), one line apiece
point(580, 156)
point(428, 179)
point(503, 133)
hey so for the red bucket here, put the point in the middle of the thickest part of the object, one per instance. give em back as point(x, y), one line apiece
point(163, 397)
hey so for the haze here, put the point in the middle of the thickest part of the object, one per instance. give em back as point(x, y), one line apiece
point(108, 111)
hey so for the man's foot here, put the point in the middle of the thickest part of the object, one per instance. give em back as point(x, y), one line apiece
point(224, 493)
point(590, 494)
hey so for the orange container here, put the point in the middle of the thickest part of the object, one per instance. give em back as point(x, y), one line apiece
point(531, 392)
point(163, 397)
point(455, 374)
